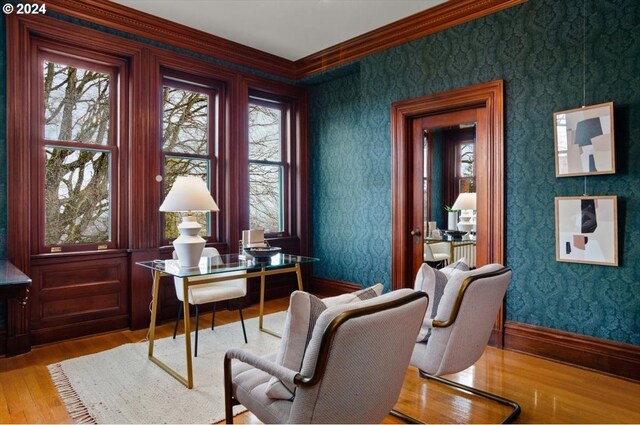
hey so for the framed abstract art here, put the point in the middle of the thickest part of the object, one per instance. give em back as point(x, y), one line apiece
point(587, 229)
point(584, 141)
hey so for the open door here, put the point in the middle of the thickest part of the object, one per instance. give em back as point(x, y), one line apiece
point(440, 144)
point(486, 102)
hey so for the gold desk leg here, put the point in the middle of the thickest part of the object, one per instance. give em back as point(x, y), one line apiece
point(152, 335)
point(262, 279)
point(187, 330)
point(154, 311)
point(299, 276)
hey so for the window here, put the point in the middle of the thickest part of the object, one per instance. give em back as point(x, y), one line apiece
point(79, 164)
point(465, 169)
point(188, 144)
point(268, 165)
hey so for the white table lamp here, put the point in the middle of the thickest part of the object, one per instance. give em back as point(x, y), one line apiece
point(188, 194)
point(467, 203)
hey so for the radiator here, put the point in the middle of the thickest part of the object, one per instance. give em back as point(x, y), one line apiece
point(466, 249)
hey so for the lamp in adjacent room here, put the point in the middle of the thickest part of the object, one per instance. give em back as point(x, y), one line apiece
point(466, 202)
point(189, 194)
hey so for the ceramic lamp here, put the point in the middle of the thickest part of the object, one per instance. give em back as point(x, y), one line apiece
point(466, 202)
point(189, 194)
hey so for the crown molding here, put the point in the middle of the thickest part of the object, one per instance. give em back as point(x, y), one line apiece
point(438, 18)
point(125, 19)
point(122, 18)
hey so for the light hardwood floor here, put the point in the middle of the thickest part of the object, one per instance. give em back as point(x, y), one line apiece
point(548, 392)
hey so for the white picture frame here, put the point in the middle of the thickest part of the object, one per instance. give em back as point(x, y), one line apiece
point(587, 229)
point(584, 141)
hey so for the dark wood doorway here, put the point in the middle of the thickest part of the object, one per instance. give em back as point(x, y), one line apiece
point(488, 99)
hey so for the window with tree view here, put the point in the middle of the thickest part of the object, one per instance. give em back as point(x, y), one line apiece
point(267, 165)
point(466, 169)
point(188, 125)
point(79, 151)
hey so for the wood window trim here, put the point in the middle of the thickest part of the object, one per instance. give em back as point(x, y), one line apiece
point(144, 198)
point(181, 67)
point(298, 202)
point(285, 106)
point(23, 34)
point(117, 70)
point(214, 90)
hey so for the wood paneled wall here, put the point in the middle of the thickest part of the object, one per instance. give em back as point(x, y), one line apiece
point(75, 294)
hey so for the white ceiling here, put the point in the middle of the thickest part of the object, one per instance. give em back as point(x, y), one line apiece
point(290, 29)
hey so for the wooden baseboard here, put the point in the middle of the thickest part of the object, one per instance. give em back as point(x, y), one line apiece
point(330, 288)
point(610, 357)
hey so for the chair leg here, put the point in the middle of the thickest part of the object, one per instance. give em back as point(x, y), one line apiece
point(213, 318)
point(195, 351)
point(244, 332)
point(229, 399)
point(489, 396)
point(175, 328)
point(402, 416)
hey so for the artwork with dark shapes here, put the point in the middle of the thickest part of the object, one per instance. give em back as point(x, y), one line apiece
point(586, 229)
point(584, 141)
point(589, 220)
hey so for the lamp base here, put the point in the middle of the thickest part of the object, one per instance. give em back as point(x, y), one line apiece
point(467, 221)
point(189, 244)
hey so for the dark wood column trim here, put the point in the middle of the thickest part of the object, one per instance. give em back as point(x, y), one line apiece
point(122, 18)
point(441, 17)
point(603, 355)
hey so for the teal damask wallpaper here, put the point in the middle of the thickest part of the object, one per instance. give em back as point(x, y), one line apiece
point(537, 49)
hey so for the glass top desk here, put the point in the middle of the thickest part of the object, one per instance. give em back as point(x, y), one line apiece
point(211, 266)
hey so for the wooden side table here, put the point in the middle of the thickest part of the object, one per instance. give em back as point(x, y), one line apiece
point(14, 287)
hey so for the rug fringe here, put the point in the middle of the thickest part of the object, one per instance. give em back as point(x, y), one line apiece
point(75, 407)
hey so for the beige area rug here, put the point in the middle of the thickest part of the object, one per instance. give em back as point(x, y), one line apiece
point(122, 386)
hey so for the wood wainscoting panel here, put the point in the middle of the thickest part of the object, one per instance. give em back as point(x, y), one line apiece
point(329, 288)
point(78, 295)
point(611, 357)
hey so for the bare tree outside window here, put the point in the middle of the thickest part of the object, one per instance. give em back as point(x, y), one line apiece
point(185, 121)
point(77, 192)
point(76, 104)
point(185, 144)
point(466, 160)
point(265, 168)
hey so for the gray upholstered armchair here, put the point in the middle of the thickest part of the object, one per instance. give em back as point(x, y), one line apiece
point(352, 371)
point(463, 308)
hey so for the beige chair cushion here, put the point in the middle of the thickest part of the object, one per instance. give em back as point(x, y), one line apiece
point(211, 292)
point(433, 282)
point(304, 310)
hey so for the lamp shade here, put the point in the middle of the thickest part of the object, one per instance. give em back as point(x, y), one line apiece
point(189, 193)
point(465, 201)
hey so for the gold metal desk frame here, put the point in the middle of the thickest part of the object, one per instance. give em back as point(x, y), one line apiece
point(263, 272)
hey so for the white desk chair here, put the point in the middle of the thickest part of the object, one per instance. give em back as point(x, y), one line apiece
point(210, 293)
point(439, 252)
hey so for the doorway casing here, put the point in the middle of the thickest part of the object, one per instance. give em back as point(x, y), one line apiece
point(489, 176)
